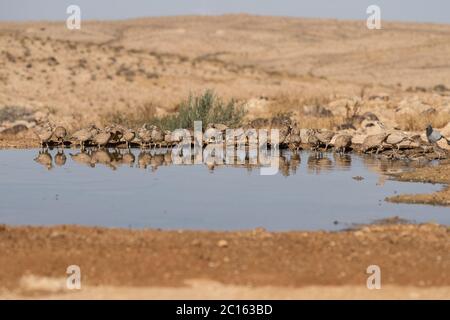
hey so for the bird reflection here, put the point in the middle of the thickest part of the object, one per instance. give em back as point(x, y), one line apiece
point(289, 162)
point(128, 159)
point(342, 161)
point(144, 159)
point(317, 162)
point(104, 157)
point(294, 162)
point(83, 158)
point(60, 158)
point(44, 158)
point(154, 159)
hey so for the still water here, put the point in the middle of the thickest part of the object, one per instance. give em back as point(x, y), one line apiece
point(147, 190)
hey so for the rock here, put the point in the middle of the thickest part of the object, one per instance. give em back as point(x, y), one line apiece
point(445, 131)
point(380, 97)
point(443, 144)
point(412, 106)
point(440, 88)
point(14, 129)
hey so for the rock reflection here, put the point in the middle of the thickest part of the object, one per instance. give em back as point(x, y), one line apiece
point(289, 162)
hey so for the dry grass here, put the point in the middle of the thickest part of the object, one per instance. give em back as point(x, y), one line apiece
point(420, 121)
point(133, 118)
point(206, 107)
point(320, 122)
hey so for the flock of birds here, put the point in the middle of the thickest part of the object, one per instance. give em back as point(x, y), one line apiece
point(290, 136)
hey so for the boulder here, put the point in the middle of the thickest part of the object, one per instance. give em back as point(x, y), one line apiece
point(412, 106)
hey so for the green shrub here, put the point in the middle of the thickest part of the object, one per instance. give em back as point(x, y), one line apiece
point(207, 108)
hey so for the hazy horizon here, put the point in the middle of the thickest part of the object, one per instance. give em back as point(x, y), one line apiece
point(432, 11)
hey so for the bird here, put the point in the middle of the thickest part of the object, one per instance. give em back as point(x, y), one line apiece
point(373, 142)
point(157, 136)
point(219, 126)
point(44, 133)
point(181, 135)
point(325, 137)
point(168, 138)
point(294, 140)
point(128, 136)
point(117, 132)
point(282, 124)
point(145, 137)
point(312, 139)
point(60, 134)
point(211, 135)
point(342, 143)
point(103, 137)
point(395, 139)
point(84, 135)
point(433, 136)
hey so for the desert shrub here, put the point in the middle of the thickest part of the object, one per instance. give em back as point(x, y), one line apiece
point(208, 108)
point(132, 119)
point(418, 122)
point(13, 113)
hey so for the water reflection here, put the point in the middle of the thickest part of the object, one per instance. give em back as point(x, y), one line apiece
point(316, 162)
point(157, 188)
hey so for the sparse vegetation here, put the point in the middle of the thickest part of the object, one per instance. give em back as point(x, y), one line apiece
point(13, 113)
point(418, 122)
point(207, 107)
point(132, 119)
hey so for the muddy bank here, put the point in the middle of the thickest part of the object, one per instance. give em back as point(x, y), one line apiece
point(408, 255)
point(432, 174)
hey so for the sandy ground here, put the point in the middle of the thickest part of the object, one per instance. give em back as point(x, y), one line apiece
point(209, 290)
point(79, 76)
point(414, 262)
point(273, 64)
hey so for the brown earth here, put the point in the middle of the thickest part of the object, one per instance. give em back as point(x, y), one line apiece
point(408, 255)
point(79, 76)
point(431, 174)
point(273, 63)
